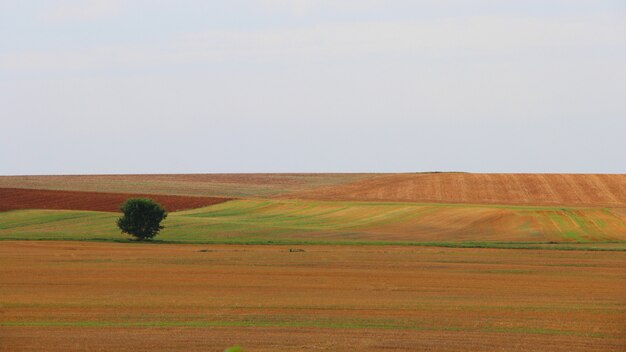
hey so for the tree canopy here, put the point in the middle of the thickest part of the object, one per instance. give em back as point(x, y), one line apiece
point(142, 218)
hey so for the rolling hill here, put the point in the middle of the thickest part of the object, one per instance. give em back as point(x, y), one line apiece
point(520, 189)
point(196, 185)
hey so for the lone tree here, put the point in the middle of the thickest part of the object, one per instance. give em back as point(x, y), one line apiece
point(142, 218)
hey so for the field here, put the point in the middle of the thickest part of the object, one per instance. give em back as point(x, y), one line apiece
point(302, 222)
point(531, 189)
point(468, 188)
point(16, 198)
point(316, 262)
point(107, 296)
point(205, 185)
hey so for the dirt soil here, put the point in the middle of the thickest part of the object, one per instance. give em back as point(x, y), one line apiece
point(530, 189)
point(15, 198)
point(81, 296)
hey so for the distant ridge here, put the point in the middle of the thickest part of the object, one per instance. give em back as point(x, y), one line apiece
point(205, 185)
point(515, 189)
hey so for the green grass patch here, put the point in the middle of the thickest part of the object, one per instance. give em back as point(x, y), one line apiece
point(607, 247)
point(271, 221)
point(326, 324)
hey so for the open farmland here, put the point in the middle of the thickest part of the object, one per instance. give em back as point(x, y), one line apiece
point(292, 221)
point(316, 262)
point(467, 188)
point(530, 189)
point(61, 296)
point(206, 185)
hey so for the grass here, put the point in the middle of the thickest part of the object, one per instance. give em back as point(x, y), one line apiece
point(296, 222)
point(600, 246)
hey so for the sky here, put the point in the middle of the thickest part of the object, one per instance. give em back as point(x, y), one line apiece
point(147, 86)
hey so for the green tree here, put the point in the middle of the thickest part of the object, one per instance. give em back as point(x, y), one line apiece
point(142, 218)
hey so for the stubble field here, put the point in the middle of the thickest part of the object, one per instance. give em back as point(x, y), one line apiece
point(61, 296)
point(205, 185)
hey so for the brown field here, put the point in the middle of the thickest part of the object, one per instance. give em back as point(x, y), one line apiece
point(530, 189)
point(61, 296)
point(525, 189)
point(15, 198)
point(207, 185)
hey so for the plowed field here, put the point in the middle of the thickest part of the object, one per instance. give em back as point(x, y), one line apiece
point(532, 189)
point(80, 296)
point(14, 198)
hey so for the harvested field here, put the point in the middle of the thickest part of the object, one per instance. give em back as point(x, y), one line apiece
point(522, 189)
point(531, 189)
point(82, 296)
point(14, 198)
point(292, 221)
point(207, 185)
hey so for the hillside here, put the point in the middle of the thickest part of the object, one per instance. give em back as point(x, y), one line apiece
point(276, 221)
point(531, 189)
point(464, 188)
point(198, 185)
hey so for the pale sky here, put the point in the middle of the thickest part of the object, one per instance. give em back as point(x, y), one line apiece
point(177, 86)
